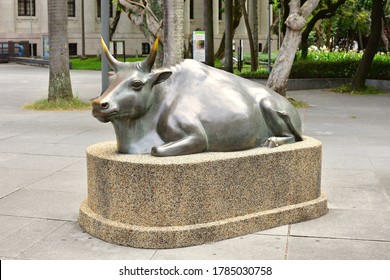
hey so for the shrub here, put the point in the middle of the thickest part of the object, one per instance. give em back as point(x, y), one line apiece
point(325, 64)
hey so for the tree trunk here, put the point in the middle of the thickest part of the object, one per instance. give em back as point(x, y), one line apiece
point(237, 14)
point(82, 31)
point(149, 20)
point(328, 35)
point(173, 31)
point(209, 29)
point(360, 76)
point(273, 26)
point(228, 66)
point(319, 33)
point(59, 78)
point(384, 37)
point(279, 75)
point(255, 32)
point(250, 38)
point(114, 23)
point(295, 22)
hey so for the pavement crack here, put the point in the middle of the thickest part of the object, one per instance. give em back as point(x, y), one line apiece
point(287, 243)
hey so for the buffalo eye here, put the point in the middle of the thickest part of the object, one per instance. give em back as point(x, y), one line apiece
point(137, 85)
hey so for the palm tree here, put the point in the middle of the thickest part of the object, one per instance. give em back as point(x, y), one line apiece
point(173, 31)
point(209, 28)
point(59, 80)
point(229, 36)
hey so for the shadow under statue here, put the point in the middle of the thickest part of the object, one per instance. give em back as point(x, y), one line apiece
point(224, 185)
point(191, 108)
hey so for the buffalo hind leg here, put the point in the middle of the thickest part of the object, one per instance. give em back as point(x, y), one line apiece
point(275, 141)
point(279, 124)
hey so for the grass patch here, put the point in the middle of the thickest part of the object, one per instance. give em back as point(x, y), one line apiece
point(261, 73)
point(297, 103)
point(58, 105)
point(347, 89)
point(86, 64)
point(94, 63)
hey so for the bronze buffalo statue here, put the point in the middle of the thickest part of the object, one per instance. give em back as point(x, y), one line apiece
point(191, 108)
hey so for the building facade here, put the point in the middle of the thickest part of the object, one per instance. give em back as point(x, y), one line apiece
point(27, 20)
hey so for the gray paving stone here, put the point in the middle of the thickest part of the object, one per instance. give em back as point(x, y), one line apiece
point(345, 151)
point(7, 156)
point(301, 248)
point(64, 181)
point(377, 151)
point(106, 133)
point(42, 204)
point(11, 224)
point(15, 179)
point(346, 178)
point(69, 242)
point(335, 140)
point(259, 247)
point(57, 149)
point(26, 237)
point(283, 230)
point(347, 224)
point(358, 198)
point(42, 136)
point(39, 162)
point(7, 134)
point(381, 165)
point(80, 165)
point(346, 162)
point(9, 145)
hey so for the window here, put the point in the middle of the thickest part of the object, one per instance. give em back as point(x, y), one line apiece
point(71, 8)
point(72, 49)
point(145, 48)
point(99, 8)
point(33, 49)
point(24, 8)
point(191, 9)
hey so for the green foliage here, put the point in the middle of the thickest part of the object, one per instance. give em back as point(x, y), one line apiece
point(263, 57)
point(324, 64)
point(261, 73)
point(347, 88)
point(58, 105)
point(352, 17)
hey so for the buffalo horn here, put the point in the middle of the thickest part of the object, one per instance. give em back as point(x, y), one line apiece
point(148, 63)
point(111, 60)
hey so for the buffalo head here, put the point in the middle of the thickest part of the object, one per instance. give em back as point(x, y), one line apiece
point(130, 93)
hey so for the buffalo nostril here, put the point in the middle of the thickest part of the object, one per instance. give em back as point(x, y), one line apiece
point(104, 105)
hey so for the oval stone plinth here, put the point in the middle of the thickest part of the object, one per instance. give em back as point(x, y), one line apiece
point(150, 202)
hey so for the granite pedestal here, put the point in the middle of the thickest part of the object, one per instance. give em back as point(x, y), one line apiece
point(150, 202)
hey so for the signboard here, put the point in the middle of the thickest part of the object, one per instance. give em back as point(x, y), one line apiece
point(198, 39)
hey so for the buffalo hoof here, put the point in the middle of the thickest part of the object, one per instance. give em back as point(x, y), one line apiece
point(271, 142)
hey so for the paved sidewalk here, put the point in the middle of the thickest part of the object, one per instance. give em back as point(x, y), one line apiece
point(43, 180)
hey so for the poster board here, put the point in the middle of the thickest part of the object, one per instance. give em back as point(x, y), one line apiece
point(198, 46)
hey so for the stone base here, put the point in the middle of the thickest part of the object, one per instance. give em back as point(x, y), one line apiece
point(149, 202)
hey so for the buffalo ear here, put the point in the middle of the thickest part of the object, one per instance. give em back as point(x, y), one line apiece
point(160, 77)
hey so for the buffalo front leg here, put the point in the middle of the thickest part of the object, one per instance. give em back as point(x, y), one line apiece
point(191, 144)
